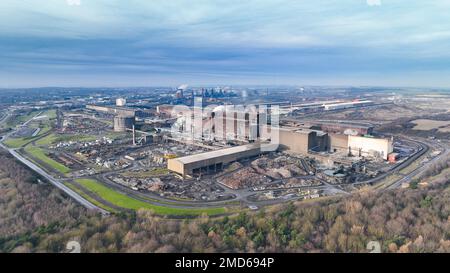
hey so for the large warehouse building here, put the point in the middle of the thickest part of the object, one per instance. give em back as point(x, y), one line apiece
point(210, 162)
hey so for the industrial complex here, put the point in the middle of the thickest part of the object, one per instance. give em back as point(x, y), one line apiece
point(249, 128)
point(208, 147)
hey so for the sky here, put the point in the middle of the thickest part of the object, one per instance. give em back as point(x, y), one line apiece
point(277, 42)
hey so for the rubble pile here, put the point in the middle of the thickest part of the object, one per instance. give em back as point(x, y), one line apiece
point(278, 168)
point(244, 178)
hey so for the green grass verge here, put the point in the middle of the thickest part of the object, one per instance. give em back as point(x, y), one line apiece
point(47, 140)
point(16, 142)
point(116, 135)
point(90, 199)
point(40, 154)
point(124, 201)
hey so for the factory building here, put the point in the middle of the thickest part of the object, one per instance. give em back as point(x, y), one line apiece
point(306, 107)
point(318, 106)
point(345, 105)
point(346, 128)
point(299, 140)
point(304, 141)
point(337, 142)
point(118, 110)
point(379, 147)
point(295, 140)
point(210, 162)
point(164, 109)
point(122, 123)
point(221, 124)
point(112, 110)
point(361, 145)
point(241, 126)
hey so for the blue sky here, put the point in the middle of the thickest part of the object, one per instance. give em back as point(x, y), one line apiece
point(161, 42)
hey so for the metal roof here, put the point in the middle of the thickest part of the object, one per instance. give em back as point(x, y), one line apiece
point(218, 153)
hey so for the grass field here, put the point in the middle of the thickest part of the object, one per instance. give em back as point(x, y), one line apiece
point(116, 135)
point(16, 142)
point(47, 140)
point(40, 154)
point(51, 114)
point(124, 201)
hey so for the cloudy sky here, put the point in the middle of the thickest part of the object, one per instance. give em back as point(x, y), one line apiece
point(161, 42)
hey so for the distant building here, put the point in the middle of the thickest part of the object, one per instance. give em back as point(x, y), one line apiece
point(112, 110)
point(345, 105)
point(164, 109)
point(120, 110)
point(121, 102)
point(346, 128)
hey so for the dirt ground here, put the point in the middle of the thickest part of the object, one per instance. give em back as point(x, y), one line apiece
point(428, 124)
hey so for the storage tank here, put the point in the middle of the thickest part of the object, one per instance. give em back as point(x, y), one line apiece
point(122, 123)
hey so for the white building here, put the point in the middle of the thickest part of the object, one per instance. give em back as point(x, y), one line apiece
point(369, 145)
point(121, 102)
point(345, 105)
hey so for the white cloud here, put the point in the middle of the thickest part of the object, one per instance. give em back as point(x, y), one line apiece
point(374, 2)
point(73, 2)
